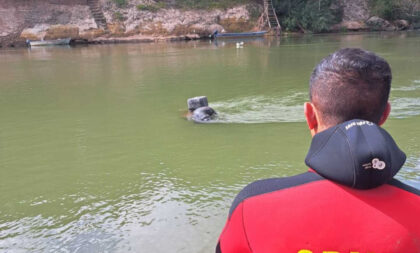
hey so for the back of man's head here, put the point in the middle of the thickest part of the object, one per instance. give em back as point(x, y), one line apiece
point(350, 84)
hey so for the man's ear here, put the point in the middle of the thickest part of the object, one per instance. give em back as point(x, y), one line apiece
point(310, 116)
point(385, 114)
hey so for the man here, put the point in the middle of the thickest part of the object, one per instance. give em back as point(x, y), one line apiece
point(348, 201)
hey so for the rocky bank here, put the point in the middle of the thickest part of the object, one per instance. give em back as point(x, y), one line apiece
point(138, 20)
point(357, 17)
point(103, 21)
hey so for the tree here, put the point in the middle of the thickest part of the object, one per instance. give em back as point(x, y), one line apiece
point(308, 15)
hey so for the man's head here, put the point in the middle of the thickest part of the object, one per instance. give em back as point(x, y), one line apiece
point(349, 84)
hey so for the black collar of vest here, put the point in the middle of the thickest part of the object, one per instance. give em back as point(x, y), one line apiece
point(356, 153)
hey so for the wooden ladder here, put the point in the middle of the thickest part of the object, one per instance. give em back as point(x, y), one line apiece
point(271, 16)
point(97, 14)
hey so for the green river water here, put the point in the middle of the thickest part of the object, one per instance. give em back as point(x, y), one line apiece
point(95, 155)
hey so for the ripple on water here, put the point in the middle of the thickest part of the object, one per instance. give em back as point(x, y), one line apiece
point(405, 107)
point(265, 109)
point(146, 214)
point(410, 173)
point(261, 109)
point(414, 86)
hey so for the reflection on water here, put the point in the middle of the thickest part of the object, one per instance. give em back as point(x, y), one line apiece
point(94, 156)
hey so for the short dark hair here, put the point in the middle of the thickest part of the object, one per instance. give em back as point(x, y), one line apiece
point(350, 84)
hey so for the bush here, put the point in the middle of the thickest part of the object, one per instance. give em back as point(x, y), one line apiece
point(120, 3)
point(308, 15)
point(151, 7)
point(207, 4)
point(386, 9)
point(396, 9)
point(411, 10)
point(118, 16)
point(254, 11)
point(142, 7)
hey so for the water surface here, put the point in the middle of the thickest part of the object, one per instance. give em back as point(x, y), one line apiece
point(95, 155)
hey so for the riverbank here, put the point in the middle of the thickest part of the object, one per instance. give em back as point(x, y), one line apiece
point(104, 21)
point(143, 21)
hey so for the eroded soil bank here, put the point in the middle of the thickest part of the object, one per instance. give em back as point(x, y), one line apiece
point(135, 21)
point(107, 21)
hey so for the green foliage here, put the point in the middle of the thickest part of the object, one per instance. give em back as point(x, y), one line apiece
point(118, 16)
point(208, 4)
point(308, 15)
point(396, 9)
point(120, 3)
point(254, 11)
point(142, 7)
point(386, 9)
point(152, 7)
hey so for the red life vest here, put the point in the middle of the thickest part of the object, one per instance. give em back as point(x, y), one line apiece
point(349, 203)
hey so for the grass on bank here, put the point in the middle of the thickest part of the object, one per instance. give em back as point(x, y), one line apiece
point(151, 7)
point(185, 4)
point(120, 3)
point(208, 4)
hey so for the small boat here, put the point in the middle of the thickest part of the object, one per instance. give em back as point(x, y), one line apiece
point(216, 34)
point(58, 42)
